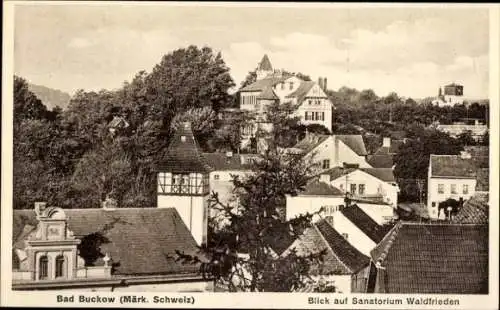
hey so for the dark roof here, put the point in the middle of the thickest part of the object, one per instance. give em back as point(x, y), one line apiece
point(474, 211)
point(301, 92)
point(259, 85)
point(265, 64)
point(452, 166)
point(434, 258)
point(353, 259)
point(354, 142)
point(384, 174)
point(141, 240)
point(311, 141)
point(220, 161)
point(268, 94)
point(183, 154)
point(364, 222)
point(380, 161)
point(316, 187)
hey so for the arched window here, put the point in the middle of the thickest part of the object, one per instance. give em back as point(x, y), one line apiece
point(59, 266)
point(44, 268)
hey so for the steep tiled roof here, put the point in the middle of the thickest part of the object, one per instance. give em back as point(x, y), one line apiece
point(183, 154)
point(384, 174)
point(380, 161)
point(268, 94)
point(310, 142)
point(221, 162)
point(452, 166)
point(364, 222)
point(259, 85)
point(301, 92)
point(265, 64)
point(474, 211)
point(140, 240)
point(354, 142)
point(346, 253)
point(316, 187)
point(434, 258)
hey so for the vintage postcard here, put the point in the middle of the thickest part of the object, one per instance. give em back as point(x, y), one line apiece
point(200, 154)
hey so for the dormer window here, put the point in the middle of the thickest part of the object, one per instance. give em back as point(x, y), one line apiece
point(44, 268)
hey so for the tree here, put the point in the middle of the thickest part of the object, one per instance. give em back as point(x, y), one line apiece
point(465, 138)
point(26, 104)
point(204, 121)
point(192, 77)
point(254, 222)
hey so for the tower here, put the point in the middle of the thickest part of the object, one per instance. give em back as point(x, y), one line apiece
point(264, 68)
point(183, 182)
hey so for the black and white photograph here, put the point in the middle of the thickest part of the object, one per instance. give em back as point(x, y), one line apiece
point(155, 151)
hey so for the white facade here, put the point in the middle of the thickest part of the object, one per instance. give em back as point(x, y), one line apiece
point(316, 108)
point(477, 130)
point(303, 204)
point(448, 101)
point(370, 186)
point(441, 189)
point(380, 213)
point(356, 237)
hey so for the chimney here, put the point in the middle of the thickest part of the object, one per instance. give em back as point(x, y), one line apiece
point(386, 142)
point(320, 82)
point(40, 207)
point(465, 155)
point(440, 92)
point(329, 220)
point(324, 84)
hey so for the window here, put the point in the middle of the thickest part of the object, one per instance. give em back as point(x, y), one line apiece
point(326, 164)
point(346, 236)
point(310, 101)
point(453, 188)
point(59, 266)
point(216, 177)
point(322, 116)
point(353, 188)
point(291, 85)
point(465, 189)
point(307, 116)
point(282, 86)
point(44, 268)
point(433, 204)
point(318, 102)
point(441, 188)
point(361, 189)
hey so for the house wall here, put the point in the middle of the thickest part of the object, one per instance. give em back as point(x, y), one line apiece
point(378, 212)
point(347, 155)
point(310, 105)
point(302, 204)
point(193, 211)
point(282, 93)
point(456, 129)
point(359, 280)
point(248, 100)
point(434, 197)
point(373, 186)
point(355, 236)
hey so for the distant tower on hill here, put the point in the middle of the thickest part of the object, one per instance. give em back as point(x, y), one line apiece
point(264, 68)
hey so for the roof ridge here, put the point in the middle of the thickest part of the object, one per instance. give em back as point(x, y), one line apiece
point(392, 236)
point(328, 244)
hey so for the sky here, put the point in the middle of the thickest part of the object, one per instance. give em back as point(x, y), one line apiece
point(411, 50)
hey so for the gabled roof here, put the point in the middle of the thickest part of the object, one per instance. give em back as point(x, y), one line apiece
point(364, 222)
point(392, 149)
point(139, 240)
point(259, 85)
point(183, 154)
point(268, 94)
point(354, 142)
point(311, 141)
point(316, 187)
point(434, 258)
point(301, 92)
point(380, 161)
point(383, 174)
point(452, 166)
point(265, 64)
point(221, 162)
point(474, 211)
point(353, 259)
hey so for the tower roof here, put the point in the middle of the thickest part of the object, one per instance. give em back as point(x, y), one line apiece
point(265, 64)
point(184, 154)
